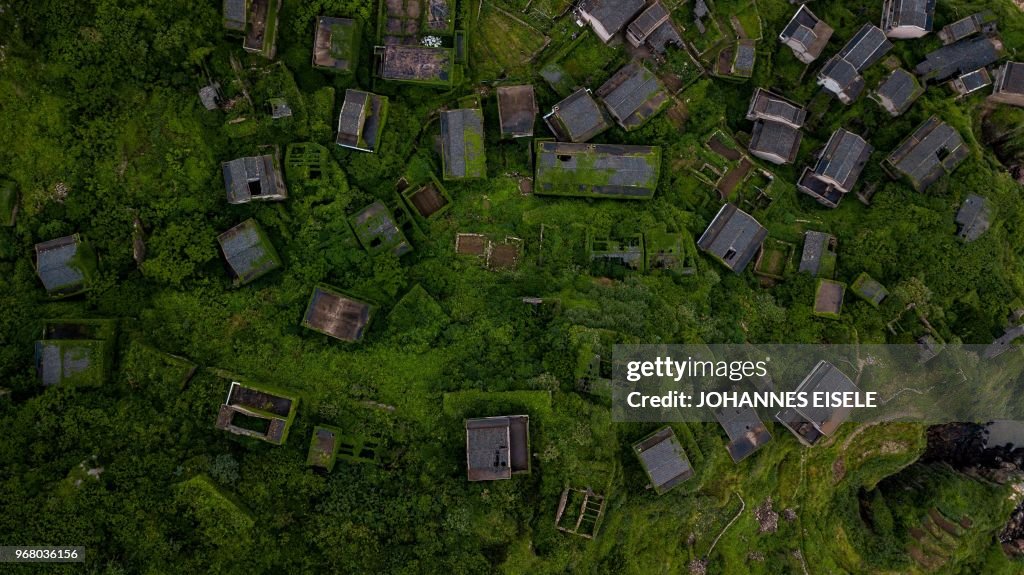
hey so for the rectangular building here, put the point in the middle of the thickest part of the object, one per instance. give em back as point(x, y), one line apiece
point(462, 144)
point(734, 237)
point(497, 447)
point(596, 170)
point(934, 149)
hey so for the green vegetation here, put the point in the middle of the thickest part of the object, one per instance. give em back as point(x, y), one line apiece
point(102, 126)
point(8, 203)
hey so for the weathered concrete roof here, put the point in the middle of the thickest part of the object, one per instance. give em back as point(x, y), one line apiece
point(747, 433)
point(869, 288)
point(765, 105)
point(663, 459)
point(337, 315)
point(517, 110)
point(733, 237)
point(828, 298)
point(497, 447)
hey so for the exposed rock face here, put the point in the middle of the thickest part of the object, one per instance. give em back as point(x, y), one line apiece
point(975, 449)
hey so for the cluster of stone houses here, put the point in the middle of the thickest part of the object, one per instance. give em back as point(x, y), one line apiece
point(966, 62)
point(498, 447)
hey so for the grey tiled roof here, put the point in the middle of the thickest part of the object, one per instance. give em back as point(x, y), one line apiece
point(577, 118)
point(843, 159)
point(734, 237)
point(916, 13)
point(849, 82)
point(252, 177)
point(664, 36)
point(898, 91)
point(352, 117)
point(825, 377)
point(648, 20)
point(462, 143)
point(655, 28)
point(932, 150)
point(815, 245)
point(248, 252)
point(612, 14)
point(359, 122)
point(968, 26)
point(774, 141)
point(609, 170)
point(973, 81)
point(56, 266)
point(747, 433)
point(1010, 79)
point(628, 91)
point(768, 106)
point(972, 218)
point(959, 58)
point(806, 34)
point(866, 47)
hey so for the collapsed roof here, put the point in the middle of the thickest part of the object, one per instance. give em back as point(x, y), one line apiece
point(734, 237)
